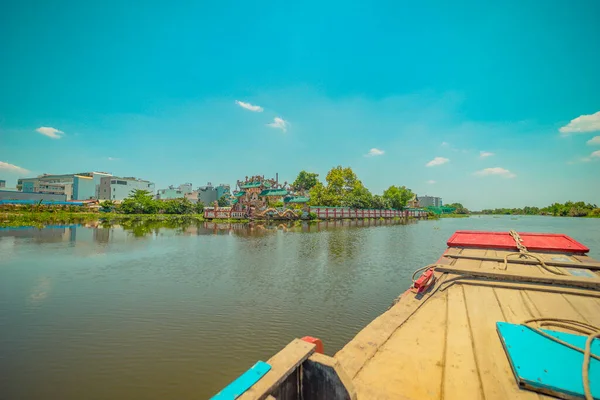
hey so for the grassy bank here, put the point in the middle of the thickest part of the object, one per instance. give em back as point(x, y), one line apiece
point(41, 219)
point(454, 216)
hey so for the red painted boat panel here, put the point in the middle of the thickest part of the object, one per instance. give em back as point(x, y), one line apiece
point(503, 240)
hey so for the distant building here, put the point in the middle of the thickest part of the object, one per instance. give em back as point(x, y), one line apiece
point(2, 183)
point(118, 189)
point(430, 201)
point(174, 192)
point(192, 196)
point(81, 186)
point(13, 194)
point(413, 203)
point(209, 194)
point(223, 190)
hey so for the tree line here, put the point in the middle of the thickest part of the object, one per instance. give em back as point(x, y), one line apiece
point(458, 208)
point(568, 209)
point(143, 202)
point(342, 188)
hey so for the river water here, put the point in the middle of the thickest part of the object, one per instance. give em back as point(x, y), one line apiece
point(145, 312)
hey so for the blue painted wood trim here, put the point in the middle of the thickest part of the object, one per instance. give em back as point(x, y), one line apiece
point(243, 382)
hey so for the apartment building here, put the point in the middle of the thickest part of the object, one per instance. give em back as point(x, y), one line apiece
point(118, 189)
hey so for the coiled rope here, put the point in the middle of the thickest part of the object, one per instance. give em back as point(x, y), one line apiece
point(524, 253)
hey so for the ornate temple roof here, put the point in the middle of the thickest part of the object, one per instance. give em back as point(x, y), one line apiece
point(255, 184)
point(273, 192)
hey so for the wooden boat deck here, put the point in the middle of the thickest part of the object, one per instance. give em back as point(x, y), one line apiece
point(444, 344)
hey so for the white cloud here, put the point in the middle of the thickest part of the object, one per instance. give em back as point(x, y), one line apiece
point(594, 141)
point(431, 181)
point(484, 154)
point(113, 158)
point(249, 106)
point(437, 161)
point(496, 171)
point(11, 168)
point(583, 123)
point(50, 132)
point(445, 144)
point(375, 152)
point(279, 123)
point(591, 157)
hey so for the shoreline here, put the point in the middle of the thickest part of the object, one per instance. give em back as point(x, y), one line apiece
point(10, 219)
point(40, 219)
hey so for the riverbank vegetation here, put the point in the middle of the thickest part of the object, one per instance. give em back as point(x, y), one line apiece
point(143, 202)
point(18, 218)
point(140, 205)
point(568, 209)
point(453, 215)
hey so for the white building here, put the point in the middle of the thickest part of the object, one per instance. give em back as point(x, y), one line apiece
point(430, 201)
point(173, 192)
point(81, 186)
point(118, 189)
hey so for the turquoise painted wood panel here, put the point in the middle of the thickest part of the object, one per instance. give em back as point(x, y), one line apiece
point(542, 364)
point(243, 382)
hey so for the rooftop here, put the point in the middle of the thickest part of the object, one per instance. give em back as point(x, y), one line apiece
point(274, 192)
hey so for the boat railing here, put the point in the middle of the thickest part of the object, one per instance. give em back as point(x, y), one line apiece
point(297, 372)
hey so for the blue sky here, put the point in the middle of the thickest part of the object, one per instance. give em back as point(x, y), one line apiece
point(150, 90)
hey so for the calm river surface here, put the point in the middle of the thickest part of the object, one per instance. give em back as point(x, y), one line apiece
point(157, 313)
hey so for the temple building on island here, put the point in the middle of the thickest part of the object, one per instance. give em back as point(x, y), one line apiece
point(257, 196)
point(257, 192)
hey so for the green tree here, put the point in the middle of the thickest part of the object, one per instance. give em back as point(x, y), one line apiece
point(223, 202)
point(317, 195)
point(359, 197)
point(305, 180)
point(177, 206)
point(379, 202)
point(107, 206)
point(398, 196)
point(459, 209)
point(199, 207)
point(140, 202)
point(341, 181)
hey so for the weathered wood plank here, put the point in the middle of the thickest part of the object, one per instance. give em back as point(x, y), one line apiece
point(513, 306)
point(288, 388)
point(356, 353)
point(474, 258)
point(535, 286)
point(460, 374)
point(528, 261)
point(283, 364)
point(553, 305)
point(489, 264)
point(411, 363)
point(497, 379)
point(528, 276)
point(588, 307)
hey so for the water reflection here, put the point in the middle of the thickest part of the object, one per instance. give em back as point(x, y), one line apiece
point(103, 231)
point(50, 234)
